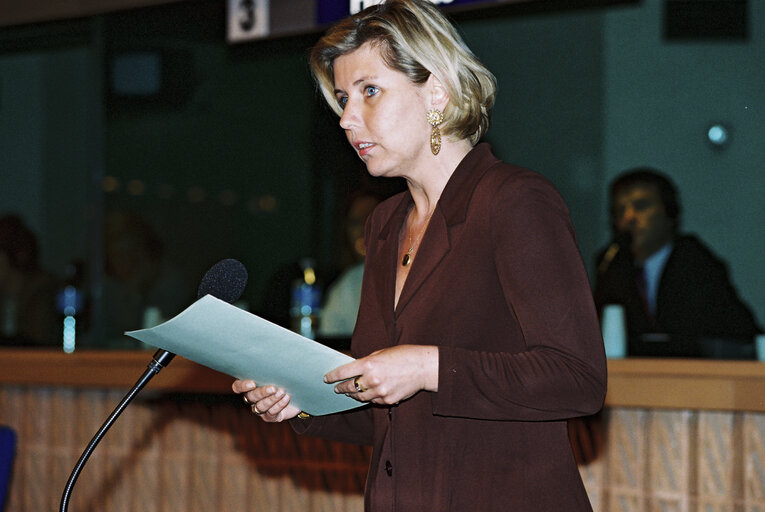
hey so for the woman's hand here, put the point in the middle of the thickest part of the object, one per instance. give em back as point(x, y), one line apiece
point(389, 375)
point(272, 404)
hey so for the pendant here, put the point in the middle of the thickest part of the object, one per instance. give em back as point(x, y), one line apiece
point(406, 260)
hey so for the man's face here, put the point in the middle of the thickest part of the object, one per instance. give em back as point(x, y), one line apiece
point(639, 211)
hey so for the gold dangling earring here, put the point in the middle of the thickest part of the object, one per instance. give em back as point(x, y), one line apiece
point(435, 117)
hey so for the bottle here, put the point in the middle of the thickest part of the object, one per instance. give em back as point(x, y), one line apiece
point(305, 304)
point(70, 302)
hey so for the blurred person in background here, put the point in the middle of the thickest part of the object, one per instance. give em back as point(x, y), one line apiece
point(141, 288)
point(677, 294)
point(341, 305)
point(28, 314)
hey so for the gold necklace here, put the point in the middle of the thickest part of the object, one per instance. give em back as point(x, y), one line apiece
point(407, 259)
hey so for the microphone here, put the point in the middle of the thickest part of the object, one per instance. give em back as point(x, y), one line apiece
point(622, 241)
point(226, 281)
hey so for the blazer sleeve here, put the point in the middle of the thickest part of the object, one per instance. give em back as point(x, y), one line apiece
point(733, 317)
point(562, 371)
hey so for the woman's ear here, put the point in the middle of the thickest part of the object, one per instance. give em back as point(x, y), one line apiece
point(439, 97)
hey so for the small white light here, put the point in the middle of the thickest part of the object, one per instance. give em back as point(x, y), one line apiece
point(718, 135)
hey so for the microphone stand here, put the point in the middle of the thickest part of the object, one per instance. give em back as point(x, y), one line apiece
point(160, 359)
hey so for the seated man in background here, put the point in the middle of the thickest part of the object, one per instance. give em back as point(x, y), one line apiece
point(677, 295)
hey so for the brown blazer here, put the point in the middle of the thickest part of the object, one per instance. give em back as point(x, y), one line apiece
point(499, 285)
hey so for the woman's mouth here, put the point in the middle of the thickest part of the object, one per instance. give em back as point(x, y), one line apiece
point(363, 147)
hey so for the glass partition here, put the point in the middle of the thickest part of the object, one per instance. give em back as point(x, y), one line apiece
point(139, 148)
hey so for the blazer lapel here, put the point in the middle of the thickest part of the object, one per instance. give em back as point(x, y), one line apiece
point(433, 247)
point(387, 261)
point(435, 244)
point(451, 210)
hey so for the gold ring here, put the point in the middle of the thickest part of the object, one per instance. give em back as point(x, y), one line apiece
point(358, 387)
point(244, 397)
point(256, 411)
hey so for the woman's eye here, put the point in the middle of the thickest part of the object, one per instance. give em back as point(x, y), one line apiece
point(342, 101)
point(371, 90)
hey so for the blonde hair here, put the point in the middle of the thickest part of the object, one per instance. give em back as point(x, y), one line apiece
point(416, 39)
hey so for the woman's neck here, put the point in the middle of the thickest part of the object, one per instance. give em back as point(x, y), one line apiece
point(427, 185)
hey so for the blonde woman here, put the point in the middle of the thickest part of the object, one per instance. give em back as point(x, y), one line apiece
point(477, 337)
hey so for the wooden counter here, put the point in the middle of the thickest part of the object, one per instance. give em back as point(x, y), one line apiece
point(686, 384)
point(676, 435)
point(652, 383)
point(105, 369)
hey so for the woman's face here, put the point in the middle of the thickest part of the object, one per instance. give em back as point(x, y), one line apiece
point(383, 113)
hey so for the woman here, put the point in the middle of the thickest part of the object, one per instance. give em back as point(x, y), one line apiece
point(477, 336)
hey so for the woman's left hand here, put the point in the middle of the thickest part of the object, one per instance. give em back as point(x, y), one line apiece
point(388, 375)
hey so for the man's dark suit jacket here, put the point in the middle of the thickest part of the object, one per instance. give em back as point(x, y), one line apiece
point(696, 304)
point(499, 286)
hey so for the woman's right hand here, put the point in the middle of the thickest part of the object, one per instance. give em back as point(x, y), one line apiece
point(272, 404)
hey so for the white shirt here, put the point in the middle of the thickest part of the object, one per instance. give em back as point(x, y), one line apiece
point(652, 270)
point(338, 318)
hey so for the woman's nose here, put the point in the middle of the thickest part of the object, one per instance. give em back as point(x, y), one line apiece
point(345, 120)
point(349, 117)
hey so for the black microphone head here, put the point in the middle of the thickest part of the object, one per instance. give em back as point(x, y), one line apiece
point(623, 239)
point(225, 280)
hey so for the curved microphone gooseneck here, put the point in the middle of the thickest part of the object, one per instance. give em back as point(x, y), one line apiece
point(226, 281)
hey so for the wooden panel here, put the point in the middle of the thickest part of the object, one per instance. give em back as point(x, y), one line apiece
point(680, 461)
point(206, 451)
point(172, 452)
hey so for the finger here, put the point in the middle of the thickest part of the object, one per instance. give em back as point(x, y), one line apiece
point(265, 403)
point(242, 386)
point(343, 372)
point(348, 387)
point(274, 412)
point(354, 388)
point(261, 393)
point(289, 412)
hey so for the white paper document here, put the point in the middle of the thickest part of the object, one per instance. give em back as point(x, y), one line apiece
point(216, 334)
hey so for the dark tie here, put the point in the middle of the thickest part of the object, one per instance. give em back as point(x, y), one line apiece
point(640, 282)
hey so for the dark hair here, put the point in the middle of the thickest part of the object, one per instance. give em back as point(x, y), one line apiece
point(19, 243)
point(649, 176)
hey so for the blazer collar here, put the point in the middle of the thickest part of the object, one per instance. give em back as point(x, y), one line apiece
point(456, 196)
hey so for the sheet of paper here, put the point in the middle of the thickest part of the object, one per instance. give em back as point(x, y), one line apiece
point(216, 334)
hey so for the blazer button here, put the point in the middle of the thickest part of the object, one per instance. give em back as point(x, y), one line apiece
point(389, 468)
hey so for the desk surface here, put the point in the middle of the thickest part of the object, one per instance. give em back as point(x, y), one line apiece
point(687, 384)
point(648, 383)
point(105, 369)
